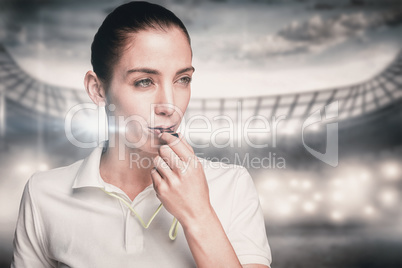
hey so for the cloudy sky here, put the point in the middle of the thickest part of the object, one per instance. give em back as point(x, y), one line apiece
point(241, 48)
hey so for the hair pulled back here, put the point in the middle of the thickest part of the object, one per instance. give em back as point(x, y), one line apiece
point(126, 19)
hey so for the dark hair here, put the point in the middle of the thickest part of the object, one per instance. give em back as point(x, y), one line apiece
point(115, 29)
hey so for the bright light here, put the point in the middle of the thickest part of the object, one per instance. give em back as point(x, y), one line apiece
point(294, 198)
point(391, 170)
point(284, 209)
point(294, 183)
point(290, 128)
point(43, 167)
point(364, 176)
point(388, 197)
point(314, 127)
point(271, 184)
point(289, 131)
point(24, 169)
point(86, 124)
point(309, 207)
point(337, 182)
point(337, 196)
point(306, 184)
point(337, 216)
point(369, 210)
point(352, 182)
point(317, 197)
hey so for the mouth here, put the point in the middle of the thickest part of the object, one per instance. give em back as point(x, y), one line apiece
point(160, 129)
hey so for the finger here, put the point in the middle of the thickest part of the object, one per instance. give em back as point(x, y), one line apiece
point(181, 137)
point(170, 157)
point(163, 168)
point(156, 178)
point(177, 146)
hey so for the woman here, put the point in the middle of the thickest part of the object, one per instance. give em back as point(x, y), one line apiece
point(90, 214)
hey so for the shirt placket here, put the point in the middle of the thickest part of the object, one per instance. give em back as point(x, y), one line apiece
point(133, 230)
point(134, 236)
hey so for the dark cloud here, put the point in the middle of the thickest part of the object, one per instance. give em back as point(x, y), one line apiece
point(319, 33)
point(319, 30)
point(245, 31)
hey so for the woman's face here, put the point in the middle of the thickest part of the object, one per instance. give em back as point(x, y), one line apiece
point(150, 87)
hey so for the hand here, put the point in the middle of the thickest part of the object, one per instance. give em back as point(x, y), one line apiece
point(179, 180)
point(180, 184)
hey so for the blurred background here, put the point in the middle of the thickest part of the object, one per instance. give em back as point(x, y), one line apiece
point(266, 59)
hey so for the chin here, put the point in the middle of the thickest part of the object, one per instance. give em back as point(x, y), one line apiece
point(152, 147)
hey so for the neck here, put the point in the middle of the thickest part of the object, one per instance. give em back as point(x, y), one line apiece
point(131, 173)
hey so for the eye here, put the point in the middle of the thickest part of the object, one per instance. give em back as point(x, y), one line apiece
point(184, 80)
point(143, 83)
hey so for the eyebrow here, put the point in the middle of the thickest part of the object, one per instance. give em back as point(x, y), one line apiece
point(152, 71)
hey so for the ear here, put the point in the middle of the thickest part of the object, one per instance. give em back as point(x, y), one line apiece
point(95, 89)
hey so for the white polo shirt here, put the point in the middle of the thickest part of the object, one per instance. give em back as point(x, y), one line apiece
point(66, 220)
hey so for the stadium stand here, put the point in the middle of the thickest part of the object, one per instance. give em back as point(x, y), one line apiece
point(369, 136)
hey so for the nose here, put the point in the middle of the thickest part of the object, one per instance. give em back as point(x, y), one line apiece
point(164, 104)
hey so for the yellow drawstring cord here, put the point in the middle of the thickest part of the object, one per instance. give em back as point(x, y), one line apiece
point(173, 228)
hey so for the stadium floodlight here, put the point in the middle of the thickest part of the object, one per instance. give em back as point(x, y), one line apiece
point(294, 198)
point(391, 170)
point(25, 168)
point(337, 182)
point(317, 196)
point(271, 184)
point(369, 210)
point(338, 196)
point(388, 197)
point(309, 207)
point(364, 176)
point(306, 184)
point(294, 183)
point(284, 209)
point(291, 127)
point(337, 216)
point(43, 167)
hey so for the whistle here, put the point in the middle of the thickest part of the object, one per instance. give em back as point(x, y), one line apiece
point(173, 133)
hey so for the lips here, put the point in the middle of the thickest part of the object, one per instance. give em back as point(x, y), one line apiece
point(160, 129)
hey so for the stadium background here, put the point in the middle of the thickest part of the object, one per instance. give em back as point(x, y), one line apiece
point(258, 58)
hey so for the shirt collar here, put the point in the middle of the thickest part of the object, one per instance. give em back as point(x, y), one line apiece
point(88, 175)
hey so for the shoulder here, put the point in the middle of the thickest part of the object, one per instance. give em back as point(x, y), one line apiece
point(227, 177)
point(54, 180)
point(222, 171)
point(231, 190)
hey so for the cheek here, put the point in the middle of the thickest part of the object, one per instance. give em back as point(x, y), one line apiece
point(131, 115)
point(136, 116)
point(131, 105)
point(183, 100)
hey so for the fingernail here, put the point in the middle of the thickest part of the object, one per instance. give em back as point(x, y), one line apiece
point(153, 170)
point(160, 135)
